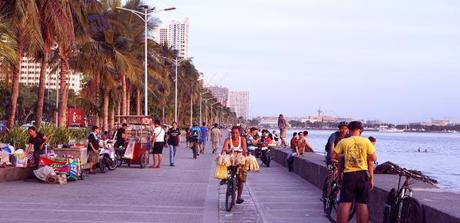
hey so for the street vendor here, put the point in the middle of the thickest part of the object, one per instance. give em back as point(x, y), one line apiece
point(93, 146)
point(121, 136)
point(37, 142)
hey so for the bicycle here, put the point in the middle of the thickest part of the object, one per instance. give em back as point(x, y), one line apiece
point(232, 187)
point(401, 207)
point(331, 193)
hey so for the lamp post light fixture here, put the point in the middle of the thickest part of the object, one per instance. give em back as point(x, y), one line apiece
point(145, 15)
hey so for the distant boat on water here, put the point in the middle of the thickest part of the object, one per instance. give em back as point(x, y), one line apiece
point(385, 128)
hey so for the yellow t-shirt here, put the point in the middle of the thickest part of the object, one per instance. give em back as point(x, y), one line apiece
point(355, 150)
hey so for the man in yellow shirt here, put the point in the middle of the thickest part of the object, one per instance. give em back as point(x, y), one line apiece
point(358, 177)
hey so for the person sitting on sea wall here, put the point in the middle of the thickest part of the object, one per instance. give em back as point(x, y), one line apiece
point(308, 146)
point(293, 142)
point(294, 152)
point(301, 143)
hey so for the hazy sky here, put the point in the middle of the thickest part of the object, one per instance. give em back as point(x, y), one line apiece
point(390, 60)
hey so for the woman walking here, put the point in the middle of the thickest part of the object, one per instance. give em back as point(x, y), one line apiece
point(158, 143)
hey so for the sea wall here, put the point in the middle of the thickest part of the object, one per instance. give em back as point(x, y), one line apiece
point(15, 173)
point(439, 205)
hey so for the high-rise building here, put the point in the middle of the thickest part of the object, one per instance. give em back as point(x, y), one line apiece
point(238, 101)
point(30, 75)
point(175, 35)
point(220, 93)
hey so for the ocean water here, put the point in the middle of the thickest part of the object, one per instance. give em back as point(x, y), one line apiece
point(441, 161)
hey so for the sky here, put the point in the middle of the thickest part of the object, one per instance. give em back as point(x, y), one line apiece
point(389, 60)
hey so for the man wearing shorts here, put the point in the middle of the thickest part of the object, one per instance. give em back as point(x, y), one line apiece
point(358, 178)
point(216, 135)
point(158, 144)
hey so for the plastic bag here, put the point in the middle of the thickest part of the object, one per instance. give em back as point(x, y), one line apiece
point(43, 172)
point(221, 172)
point(9, 149)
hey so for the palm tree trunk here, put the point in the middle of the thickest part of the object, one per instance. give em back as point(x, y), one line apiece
point(15, 80)
point(138, 102)
point(123, 95)
point(14, 93)
point(111, 117)
point(119, 112)
point(105, 112)
point(128, 99)
point(63, 91)
point(41, 87)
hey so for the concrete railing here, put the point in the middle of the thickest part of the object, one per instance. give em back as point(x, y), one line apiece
point(15, 173)
point(439, 206)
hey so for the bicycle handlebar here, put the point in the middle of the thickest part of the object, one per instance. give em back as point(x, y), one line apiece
point(409, 174)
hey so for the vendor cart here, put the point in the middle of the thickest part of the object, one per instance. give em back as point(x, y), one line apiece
point(139, 132)
point(79, 153)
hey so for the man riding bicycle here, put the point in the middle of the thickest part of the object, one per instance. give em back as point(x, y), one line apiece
point(237, 144)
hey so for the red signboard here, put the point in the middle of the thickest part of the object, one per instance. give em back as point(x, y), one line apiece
point(75, 117)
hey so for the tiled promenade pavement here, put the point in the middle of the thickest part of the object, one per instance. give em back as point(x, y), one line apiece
point(187, 193)
point(184, 193)
point(281, 196)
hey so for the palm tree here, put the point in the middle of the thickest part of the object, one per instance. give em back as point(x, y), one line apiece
point(22, 17)
point(52, 13)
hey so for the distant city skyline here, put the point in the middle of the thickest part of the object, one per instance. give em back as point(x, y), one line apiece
point(388, 60)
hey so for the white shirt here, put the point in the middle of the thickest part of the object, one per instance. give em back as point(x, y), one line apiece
point(160, 133)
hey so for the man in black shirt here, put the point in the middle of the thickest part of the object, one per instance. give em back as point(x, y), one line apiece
point(121, 136)
point(37, 142)
point(173, 135)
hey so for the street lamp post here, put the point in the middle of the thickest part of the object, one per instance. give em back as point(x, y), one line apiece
point(206, 109)
point(175, 91)
point(145, 16)
point(201, 101)
point(191, 112)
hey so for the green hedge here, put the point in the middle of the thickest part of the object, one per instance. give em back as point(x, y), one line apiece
point(19, 137)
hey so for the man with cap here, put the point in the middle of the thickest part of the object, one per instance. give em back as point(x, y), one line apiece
point(358, 178)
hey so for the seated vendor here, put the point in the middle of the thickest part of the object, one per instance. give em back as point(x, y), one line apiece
point(121, 136)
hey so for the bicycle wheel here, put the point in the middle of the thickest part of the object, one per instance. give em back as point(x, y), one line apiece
point(411, 211)
point(230, 196)
point(332, 202)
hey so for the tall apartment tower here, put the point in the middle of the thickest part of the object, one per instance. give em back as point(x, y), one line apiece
point(238, 101)
point(30, 74)
point(175, 35)
point(220, 93)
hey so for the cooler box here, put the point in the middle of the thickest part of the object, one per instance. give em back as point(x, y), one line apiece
point(74, 152)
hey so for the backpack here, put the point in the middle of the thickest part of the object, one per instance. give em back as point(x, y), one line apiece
point(195, 134)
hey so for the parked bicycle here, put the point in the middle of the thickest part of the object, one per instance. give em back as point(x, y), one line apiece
point(401, 207)
point(331, 193)
point(232, 187)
